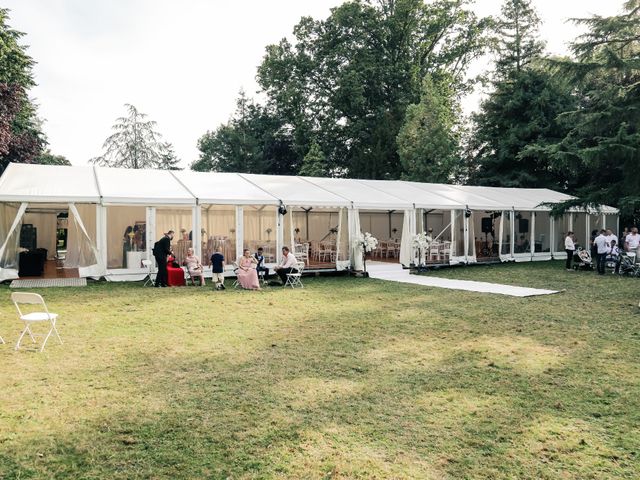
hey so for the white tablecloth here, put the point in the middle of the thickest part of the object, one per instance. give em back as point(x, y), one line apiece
point(134, 259)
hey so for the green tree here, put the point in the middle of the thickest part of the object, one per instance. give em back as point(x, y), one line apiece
point(516, 42)
point(519, 118)
point(21, 138)
point(346, 81)
point(314, 163)
point(135, 143)
point(253, 141)
point(600, 153)
point(48, 158)
point(428, 142)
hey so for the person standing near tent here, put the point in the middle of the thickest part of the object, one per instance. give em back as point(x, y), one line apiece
point(632, 241)
point(161, 250)
point(569, 248)
point(603, 248)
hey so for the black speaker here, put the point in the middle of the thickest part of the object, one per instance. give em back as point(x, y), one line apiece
point(28, 236)
point(523, 225)
point(486, 225)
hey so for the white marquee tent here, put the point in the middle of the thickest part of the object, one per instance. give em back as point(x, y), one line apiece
point(115, 216)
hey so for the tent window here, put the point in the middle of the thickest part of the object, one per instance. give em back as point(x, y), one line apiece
point(126, 236)
point(260, 230)
point(219, 230)
point(180, 220)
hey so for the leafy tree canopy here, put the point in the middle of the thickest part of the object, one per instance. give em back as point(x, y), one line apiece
point(21, 138)
point(253, 141)
point(345, 82)
point(428, 142)
point(518, 119)
point(135, 143)
point(314, 163)
point(48, 158)
point(600, 153)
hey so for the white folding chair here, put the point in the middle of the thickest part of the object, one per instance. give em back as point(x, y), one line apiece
point(34, 317)
point(295, 279)
point(236, 282)
point(151, 278)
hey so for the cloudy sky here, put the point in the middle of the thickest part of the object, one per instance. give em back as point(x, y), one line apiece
point(182, 63)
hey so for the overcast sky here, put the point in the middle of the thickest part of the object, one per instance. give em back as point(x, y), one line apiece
point(182, 63)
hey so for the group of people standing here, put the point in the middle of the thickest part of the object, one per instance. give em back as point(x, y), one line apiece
point(605, 244)
point(248, 266)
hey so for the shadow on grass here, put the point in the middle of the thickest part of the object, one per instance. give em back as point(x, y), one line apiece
point(387, 384)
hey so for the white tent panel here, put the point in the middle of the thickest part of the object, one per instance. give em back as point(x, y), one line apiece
point(223, 188)
point(456, 196)
point(362, 195)
point(48, 183)
point(296, 191)
point(408, 192)
point(141, 187)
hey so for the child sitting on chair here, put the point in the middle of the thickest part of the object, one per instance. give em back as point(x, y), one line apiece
point(259, 256)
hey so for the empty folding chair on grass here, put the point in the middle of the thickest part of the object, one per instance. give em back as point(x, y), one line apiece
point(32, 318)
point(151, 279)
point(295, 279)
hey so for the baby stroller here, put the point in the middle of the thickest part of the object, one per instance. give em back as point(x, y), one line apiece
point(628, 265)
point(582, 259)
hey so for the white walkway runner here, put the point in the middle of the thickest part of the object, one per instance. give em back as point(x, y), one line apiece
point(49, 282)
point(395, 273)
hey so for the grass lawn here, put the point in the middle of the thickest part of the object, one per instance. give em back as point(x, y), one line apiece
point(348, 378)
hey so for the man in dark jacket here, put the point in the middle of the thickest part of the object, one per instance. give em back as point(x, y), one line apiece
point(161, 249)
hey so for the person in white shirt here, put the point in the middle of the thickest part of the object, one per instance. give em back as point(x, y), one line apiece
point(603, 248)
point(570, 248)
point(286, 265)
point(632, 242)
point(611, 237)
point(614, 255)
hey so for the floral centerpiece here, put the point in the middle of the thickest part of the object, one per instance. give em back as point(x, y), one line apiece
point(366, 243)
point(421, 243)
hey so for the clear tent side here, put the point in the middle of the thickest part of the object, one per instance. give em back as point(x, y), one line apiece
point(36, 202)
point(313, 221)
point(113, 217)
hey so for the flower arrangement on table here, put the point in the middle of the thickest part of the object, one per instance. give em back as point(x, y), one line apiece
point(366, 243)
point(421, 242)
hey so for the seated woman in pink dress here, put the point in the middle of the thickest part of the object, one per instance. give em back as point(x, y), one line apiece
point(192, 262)
point(246, 273)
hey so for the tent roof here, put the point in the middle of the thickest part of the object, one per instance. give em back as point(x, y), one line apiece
point(141, 187)
point(61, 184)
point(223, 188)
point(362, 195)
point(412, 193)
point(297, 191)
point(48, 183)
point(474, 200)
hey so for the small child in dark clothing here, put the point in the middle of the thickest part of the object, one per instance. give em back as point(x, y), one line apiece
point(259, 256)
point(217, 268)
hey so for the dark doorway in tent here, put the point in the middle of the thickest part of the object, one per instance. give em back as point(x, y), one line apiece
point(43, 243)
point(486, 229)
